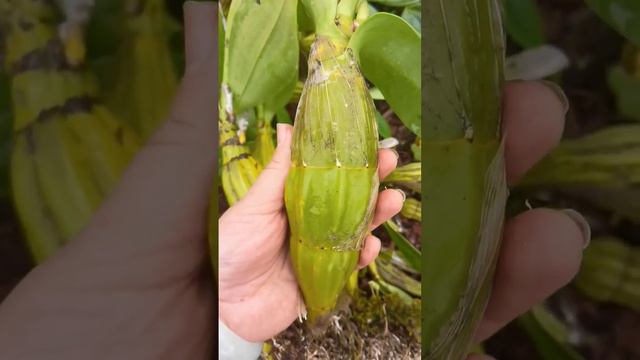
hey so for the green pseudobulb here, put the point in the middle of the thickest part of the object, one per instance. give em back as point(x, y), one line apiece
point(332, 186)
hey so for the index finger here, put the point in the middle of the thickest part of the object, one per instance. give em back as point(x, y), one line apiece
point(387, 162)
point(534, 117)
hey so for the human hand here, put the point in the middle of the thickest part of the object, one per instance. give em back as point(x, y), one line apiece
point(542, 248)
point(258, 292)
point(135, 283)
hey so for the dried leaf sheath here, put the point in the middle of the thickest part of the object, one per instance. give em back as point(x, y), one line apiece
point(239, 169)
point(332, 185)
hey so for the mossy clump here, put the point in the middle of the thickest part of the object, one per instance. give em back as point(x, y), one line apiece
point(371, 326)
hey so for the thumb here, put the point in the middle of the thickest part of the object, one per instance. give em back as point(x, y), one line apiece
point(196, 103)
point(269, 187)
point(165, 190)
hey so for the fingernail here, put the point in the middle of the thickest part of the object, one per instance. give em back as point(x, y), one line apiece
point(388, 143)
point(200, 28)
point(396, 153)
point(559, 93)
point(583, 225)
point(404, 195)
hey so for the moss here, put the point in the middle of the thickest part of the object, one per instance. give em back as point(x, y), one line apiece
point(372, 326)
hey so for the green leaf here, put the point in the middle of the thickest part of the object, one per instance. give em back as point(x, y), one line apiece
point(627, 90)
point(523, 22)
point(410, 253)
point(416, 149)
point(322, 14)
point(383, 126)
point(105, 33)
point(376, 94)
point(548, 334)
point(305, 22)
point(397, 277)
point(273, 102)
point(396, 3)
point(622, 15)
point(413, 15)
point(105, 28)
point(282, 117)
point(262, 50)
point(388, 51)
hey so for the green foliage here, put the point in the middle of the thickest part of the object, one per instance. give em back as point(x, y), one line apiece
point(321, 14)
point(368, 313)
point(548, 334)
point(105, 28)
point(282, 116)
point(607, 158)
point(104, 35)
point(409, 176)
point(262, 44)
point(416, 149)
point(626, 87)
point(413, 15)
point(523, 23)
point(388, 51)
point(305, 23)
point(622, 15)
point(376, 94)
point(383, 126)
point(405, 247)
point(393, 275)
point(609, 272)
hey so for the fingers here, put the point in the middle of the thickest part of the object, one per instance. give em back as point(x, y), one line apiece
point(387, 162)
point(370, 251)
point(201, 26)
point(533, 124)
point(541, 252)
point(389, 204)
point(269, 187)
point(196, 102)
point(389, 201)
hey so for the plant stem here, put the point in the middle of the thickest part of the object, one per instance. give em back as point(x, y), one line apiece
point(323, 13)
